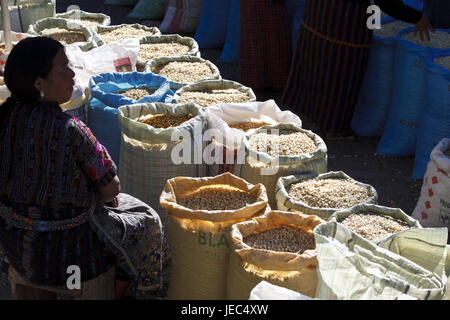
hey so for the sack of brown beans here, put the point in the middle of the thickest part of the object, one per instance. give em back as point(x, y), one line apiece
point(65, 31)
point(166, 45)
point(207, 93)
point(279, 150)
point(150, 136)
point(183, 70)
point(201, 212)
point(106, 34)
point(277, 247)
point(230, 122)
point(351, 267)
point(322, 194)
point(88, 19)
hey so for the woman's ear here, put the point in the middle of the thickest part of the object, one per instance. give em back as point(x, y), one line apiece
point(39, 84)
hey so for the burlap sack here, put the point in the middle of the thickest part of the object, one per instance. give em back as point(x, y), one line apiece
point(249, 266)
point(199, 239)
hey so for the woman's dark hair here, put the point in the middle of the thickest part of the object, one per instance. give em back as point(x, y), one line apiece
point(29, 59)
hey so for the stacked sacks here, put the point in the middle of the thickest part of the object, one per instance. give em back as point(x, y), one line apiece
point(399, 136)
point(88, 19)
point(167, 45)
point(228, 123)
point(230, 52)
point(435, 118)
point(301, 151)
point(212, 27)
point(285, 257)
point(322, 194)
point(151, 137)
point(375, 96)
point(182, 16)
point(207, 93)
point(183, 70)
point(105, 97)
point(201, 212)
point(65, 31)
point(149, 9)
point(353, 268)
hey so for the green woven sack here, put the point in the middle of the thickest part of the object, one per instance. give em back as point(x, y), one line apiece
point(146, 161)
point(41, 27)
point(208, 85)
point(353, 268)
point(286, 203)
point(168, 38)
point(156, 64)
point(260, 167)
point(77, 15)
point(149, 9)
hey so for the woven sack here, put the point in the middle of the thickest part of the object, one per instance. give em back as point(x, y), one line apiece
point(353, 268)
point(146, 161)
point(154, 65)
point(249, 266)
point(286, 203)
point(169, 38)
point(199, 239)
point(263, 168)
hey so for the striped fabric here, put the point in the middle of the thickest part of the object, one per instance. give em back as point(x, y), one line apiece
point(353, 268)
point(329, 62)
point(50, 166)
point(264, 44)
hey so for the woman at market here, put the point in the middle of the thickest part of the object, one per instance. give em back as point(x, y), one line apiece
point(330, 59)
point(60, 200)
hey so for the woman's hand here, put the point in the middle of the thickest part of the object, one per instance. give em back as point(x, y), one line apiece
point(110, 191)
point(422, 27)
point(113, 204)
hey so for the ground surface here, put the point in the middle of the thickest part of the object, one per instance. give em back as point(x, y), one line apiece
point(390, 176)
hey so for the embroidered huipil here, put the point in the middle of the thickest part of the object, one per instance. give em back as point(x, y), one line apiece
point(50, 168)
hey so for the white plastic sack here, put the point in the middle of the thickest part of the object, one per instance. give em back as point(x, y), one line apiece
point(433, 207)
point(221, 115)
point(267, 291)
point(118, 56)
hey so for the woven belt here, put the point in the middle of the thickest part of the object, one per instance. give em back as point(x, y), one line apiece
point(14, 219)
point(339, 42)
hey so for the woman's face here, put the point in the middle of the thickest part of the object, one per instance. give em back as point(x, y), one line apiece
point(58, 85)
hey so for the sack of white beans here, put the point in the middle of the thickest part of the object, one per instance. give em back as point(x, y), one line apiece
point(167, 45)
point(201, 212)
point(322, 194)
point(66, 31)
point(89, 19)
point(433, 207)
point(230, 122)
point(399, 136)
point(207, 93)
point(277, 247)
point(351, 267)
point(280, 150)
point(183, 70)
point(106, 34)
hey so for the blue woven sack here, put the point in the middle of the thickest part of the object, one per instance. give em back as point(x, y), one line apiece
point(212, 27)
point(375, 95)
point(230, 52)
point(408, 98)
point(103, 103)
point(296, 20)
point(416, 4)
point(435, 118)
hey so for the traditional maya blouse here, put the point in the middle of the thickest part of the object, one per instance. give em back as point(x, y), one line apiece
point(50, 169)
